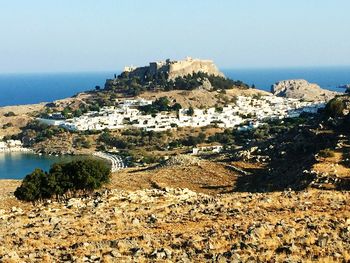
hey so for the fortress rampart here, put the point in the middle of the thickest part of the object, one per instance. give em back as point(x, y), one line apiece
point(175, 69)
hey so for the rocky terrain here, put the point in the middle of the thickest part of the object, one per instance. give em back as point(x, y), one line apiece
point(179, 225)
point(301, 89)
point(192, 210)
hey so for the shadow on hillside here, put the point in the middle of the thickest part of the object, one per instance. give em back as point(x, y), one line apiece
point(293, 153)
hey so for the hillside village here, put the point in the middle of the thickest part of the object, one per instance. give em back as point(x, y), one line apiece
point(246, 112)
point(242, 111)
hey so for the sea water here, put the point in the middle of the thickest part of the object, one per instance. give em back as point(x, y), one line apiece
point(18, 89)
point(33, 88)
point(326, 77)
point(17, 165)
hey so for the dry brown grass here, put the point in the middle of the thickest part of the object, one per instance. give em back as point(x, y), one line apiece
point(23, 116)
point(207, 177)
point(332, 165)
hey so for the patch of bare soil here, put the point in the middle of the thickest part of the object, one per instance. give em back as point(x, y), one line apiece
point(7, 188)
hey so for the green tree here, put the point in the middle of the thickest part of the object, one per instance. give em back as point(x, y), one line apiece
point(30, 189)
point(74, 176)
point(190, 111)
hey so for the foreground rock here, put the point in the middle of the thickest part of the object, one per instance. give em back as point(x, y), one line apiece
point(178, 225)
point(301, 89)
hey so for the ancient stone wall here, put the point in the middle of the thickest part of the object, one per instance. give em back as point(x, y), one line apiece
point(190, 66)
point(177, 68)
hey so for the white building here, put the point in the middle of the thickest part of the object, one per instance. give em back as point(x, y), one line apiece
point(253, 110)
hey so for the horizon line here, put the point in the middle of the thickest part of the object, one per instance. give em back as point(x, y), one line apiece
point(220, 68)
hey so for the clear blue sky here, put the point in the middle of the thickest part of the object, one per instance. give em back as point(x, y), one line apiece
point(89, 35)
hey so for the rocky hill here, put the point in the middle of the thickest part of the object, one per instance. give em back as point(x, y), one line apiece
point(301, 89)
point(178, 225)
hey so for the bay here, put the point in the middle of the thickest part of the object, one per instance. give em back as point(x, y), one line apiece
point(17, 165)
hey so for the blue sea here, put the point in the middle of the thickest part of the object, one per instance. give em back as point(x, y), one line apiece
point(327, 77)
point(17, 165)
point(33, 88)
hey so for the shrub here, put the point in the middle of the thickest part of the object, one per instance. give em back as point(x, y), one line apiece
point(85, 175)
point(335, 107)
point(326, 153)
point(9, 114)
point(7, 125)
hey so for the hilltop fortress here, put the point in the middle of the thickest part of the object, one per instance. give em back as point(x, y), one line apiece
point(175, 69)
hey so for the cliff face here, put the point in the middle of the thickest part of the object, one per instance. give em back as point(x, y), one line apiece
point(301, 89)
point(189, 66)
point(175, 69)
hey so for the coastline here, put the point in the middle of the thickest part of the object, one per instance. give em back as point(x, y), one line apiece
point(17, 149)
point(116, 162)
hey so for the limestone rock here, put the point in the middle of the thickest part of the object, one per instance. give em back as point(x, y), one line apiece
point(301, 89)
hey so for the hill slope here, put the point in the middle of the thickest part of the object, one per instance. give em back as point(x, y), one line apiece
point(180, 225)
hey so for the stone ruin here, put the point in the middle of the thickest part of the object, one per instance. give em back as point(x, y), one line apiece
point(175, 69)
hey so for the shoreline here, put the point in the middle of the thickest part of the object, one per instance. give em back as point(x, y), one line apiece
point(115, 160)
point(16, 150)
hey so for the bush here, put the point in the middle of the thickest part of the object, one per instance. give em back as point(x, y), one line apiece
point(85, 175)
point(335, 107)
point(7, 125)
point(326, 153)
point(9, 114)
